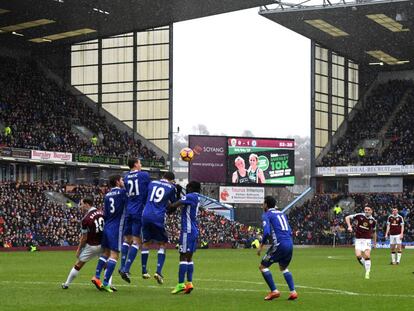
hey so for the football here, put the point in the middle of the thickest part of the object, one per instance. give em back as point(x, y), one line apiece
point(186, 154)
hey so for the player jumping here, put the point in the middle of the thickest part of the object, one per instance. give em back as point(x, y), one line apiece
point(188, 236)
point(365, 229)
point(115, 203)
point(160, 194)
point(136, 184)
point(276, 227)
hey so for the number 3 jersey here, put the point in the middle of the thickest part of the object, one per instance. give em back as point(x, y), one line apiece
point(160, 193)
point(276, 227)
point(92, 224)
point(114, 207)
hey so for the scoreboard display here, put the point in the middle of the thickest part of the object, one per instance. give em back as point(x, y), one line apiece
point(244, 161)
point(265, 161)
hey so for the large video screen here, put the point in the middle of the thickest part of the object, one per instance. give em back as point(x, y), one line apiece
point(260, 161)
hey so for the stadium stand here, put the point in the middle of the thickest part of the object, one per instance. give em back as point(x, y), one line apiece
point(387, 99)
point(40, 116)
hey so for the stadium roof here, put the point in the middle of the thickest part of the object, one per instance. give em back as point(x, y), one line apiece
point(378, 33)
point(46, 22)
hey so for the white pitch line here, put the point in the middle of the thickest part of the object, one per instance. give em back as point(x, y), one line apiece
point(318, 290)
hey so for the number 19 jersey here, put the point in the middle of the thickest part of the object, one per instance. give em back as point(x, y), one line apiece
point(160, 193)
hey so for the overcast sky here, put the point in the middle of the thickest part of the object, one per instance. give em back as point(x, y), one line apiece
point(240, 71)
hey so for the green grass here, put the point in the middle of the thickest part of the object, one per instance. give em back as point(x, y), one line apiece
point(326, 279)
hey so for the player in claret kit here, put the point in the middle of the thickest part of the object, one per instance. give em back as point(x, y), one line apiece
point(188, 236)
point(277, 229)
point(395, 228)
point(90, 242)
point(365, 230)
point(114, 215)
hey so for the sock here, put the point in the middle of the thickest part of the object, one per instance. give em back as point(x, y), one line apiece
point(110, 267)
point(289, 279)
point(133, 250)
point(368, 265)
point(72, 274)
point(182, 269)
point(161, 260)
point(399, 257)
point(124, 254)
point(361, 260)
point(101, 263)
point(393, 259)
point(267, 275)
point(190, 270)
point(144, 260)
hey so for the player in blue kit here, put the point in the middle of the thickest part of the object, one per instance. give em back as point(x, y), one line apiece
point(160, 194)
point(188, 236)
point(114, 214)
point(277, 229)
point(136, 184)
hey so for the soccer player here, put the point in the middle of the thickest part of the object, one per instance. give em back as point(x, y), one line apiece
point(188, 236)
point(395, 227)
point(365, 229)
point(136, 184)
point(114, 214)
point(276, 227)
point(90, 241)
point(160, 194)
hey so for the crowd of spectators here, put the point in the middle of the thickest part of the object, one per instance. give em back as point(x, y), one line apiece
point(367, 123)
point(28, 217)
point(401, 135)
point(38, 114)
point(315, 223)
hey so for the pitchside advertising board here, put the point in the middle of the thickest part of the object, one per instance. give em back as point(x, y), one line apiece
point(209, 163)
point(242, 161)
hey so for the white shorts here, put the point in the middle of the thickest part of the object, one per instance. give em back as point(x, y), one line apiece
point(395, 239)
point(362, 244)
point(89, 252)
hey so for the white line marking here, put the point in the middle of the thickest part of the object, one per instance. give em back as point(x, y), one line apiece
point(317, 290)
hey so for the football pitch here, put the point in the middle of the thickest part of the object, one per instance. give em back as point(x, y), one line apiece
point(326, 279)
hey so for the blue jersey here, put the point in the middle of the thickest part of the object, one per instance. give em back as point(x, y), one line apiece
point(114, 207)
point(189, 213)
point(136, 185)
point(276, 227)
point(160, 193)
